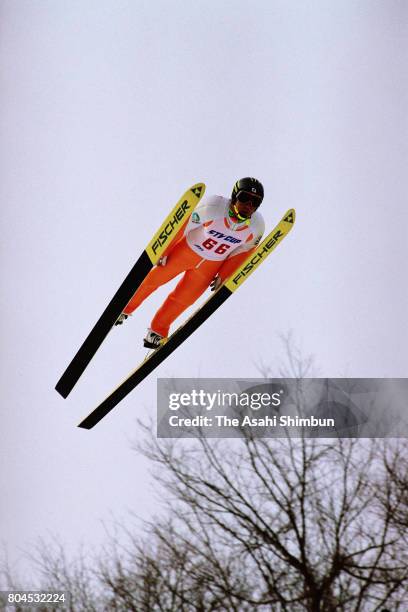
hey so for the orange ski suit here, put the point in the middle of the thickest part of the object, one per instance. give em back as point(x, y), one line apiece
point(198, 275)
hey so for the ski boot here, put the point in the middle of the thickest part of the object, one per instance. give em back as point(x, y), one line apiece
point(153, 340)
point(122, 317)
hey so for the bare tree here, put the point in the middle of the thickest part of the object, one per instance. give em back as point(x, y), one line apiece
point(280, 525)
point(393, 492)
point(52, 570)
point(256, 524)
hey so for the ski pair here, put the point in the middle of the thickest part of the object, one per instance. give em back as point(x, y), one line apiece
point(229, 286)
point(158, 247)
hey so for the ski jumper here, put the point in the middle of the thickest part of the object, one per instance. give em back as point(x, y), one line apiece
point(211, 244)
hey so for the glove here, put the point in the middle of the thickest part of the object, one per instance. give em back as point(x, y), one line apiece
point(122, 317)
point(162, 261)
point(216, 283)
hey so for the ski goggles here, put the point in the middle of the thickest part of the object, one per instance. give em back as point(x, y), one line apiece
point(244, 197)
point(235, 214)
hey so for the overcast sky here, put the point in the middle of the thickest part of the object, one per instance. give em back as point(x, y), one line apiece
point(109, 110)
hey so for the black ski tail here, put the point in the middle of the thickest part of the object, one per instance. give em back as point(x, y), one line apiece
point(103, 326)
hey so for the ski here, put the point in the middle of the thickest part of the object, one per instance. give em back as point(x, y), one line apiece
point(157, 247)
point(229, 286)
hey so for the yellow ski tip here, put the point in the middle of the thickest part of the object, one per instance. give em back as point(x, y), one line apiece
point(175, 221)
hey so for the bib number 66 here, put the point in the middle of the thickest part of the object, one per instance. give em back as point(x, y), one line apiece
point(210, 243)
